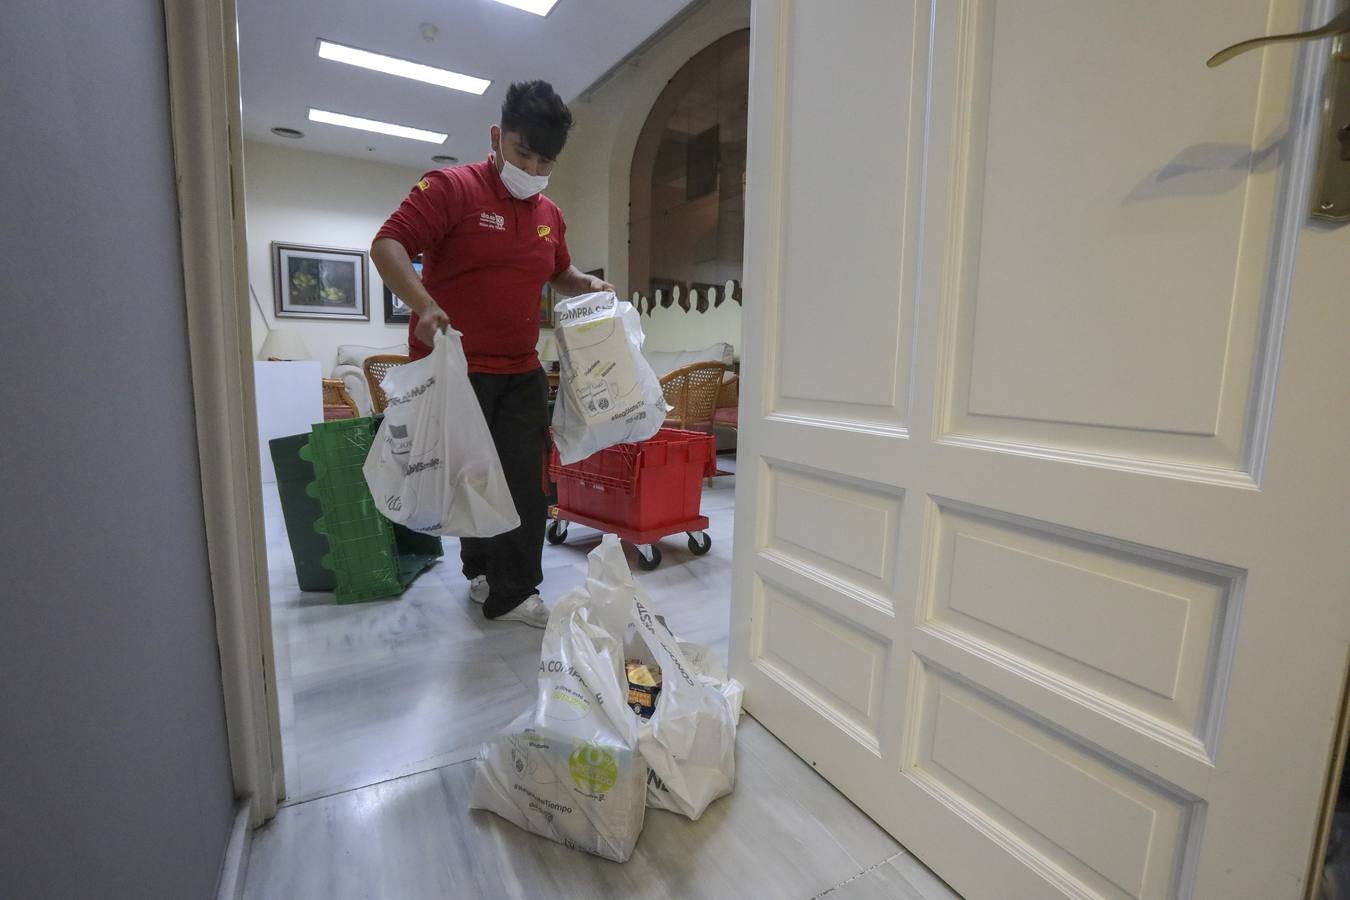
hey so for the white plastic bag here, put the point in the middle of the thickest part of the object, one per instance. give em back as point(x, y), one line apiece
point(581, 768)
point(690, 740)
point(433, 466)
point(608, 393)
point(586, 794)
point(709, 670)
point(570, 769)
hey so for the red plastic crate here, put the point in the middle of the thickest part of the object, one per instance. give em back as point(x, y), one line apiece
point(640, 487)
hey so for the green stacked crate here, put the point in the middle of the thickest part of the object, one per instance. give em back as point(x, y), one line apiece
point(369, 556)
point(301, 509)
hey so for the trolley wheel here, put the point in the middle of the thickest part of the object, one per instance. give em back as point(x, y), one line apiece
point(699, 542)
point(649, 557)
point(557, 531)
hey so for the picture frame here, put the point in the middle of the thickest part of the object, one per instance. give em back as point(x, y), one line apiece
point(548, 298)
point(546, 302)
point(395, 310)
point(312, 282)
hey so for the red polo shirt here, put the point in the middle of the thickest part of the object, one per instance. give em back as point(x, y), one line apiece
point(485, 259)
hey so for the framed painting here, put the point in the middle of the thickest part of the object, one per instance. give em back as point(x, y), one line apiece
point(319, 282)
point(546, 301)
point(395, 310)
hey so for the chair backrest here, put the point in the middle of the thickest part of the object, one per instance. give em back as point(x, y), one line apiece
point(336, 399)
point(692, 391)
point(730, 394)
point(375, 368)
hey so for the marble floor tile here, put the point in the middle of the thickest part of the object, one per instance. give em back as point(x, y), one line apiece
point(407, 712)
point(902, 877)
point(377, 690)
point(784, 833)
point(384, 704)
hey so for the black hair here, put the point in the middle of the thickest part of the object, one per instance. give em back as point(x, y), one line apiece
point(534, 110)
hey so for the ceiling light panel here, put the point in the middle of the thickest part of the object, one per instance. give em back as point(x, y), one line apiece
point(392, 65)
point(403, 131)
point(538, 7)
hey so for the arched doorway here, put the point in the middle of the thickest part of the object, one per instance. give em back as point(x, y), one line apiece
point(687, 200)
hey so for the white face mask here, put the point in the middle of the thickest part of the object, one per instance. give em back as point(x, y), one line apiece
point(520, 183)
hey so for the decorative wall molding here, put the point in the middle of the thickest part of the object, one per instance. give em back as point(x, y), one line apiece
point(700, 296)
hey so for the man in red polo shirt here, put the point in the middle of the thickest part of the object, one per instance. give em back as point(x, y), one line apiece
point(489, 241)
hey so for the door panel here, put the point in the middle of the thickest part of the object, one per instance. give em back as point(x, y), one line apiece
point(1139, 634)
point(1065, 810)
point(869, 381)
point(859, 548)
point(831, 662)
point(1042, 504)
point(1063, 339)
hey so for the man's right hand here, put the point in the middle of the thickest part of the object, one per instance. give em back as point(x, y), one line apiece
point(430, 322)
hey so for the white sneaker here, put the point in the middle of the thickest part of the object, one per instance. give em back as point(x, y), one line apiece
point(532, 612)
point(478, 590)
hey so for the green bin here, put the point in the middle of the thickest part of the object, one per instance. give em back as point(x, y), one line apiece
point(301, 510)
point(338, 537)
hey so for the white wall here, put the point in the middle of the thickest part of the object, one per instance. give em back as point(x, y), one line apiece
point(674, 329)
point(591, 181)
point(298, 197)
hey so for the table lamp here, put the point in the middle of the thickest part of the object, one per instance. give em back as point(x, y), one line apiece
point(283, 344)
point(548, 351)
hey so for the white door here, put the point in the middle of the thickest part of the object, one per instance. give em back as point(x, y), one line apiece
point(1043, 508)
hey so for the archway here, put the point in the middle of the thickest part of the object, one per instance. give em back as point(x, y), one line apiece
point(687, 199)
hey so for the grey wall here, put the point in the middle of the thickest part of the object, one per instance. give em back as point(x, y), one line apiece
point(114, 770)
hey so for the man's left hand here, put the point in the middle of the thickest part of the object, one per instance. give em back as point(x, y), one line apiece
point(574, 282)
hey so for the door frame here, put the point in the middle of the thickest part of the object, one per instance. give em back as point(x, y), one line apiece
point(206, 122)
point(201, 37)
point(205, 118)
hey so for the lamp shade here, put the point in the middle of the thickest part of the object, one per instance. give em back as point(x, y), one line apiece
point(284, 343)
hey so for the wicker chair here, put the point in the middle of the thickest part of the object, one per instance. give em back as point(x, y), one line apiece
point(727, 413)
point(337, 401)
point(693, 392)
point(376, 367)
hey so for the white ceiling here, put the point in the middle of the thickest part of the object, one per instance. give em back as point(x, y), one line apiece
point(282, 76)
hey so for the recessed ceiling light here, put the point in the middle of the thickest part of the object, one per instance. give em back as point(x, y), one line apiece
point(291, 133)
point(538, 7)
point(403, 131)
point(445, 160)
point(392, 65)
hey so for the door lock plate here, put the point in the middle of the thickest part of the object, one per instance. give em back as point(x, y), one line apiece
point(1331, 184)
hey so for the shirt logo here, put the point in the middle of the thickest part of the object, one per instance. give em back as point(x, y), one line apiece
point(544, 231)
point(423, 184)
point(492, 220)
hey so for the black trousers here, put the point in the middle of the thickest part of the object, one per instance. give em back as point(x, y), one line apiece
point(516, 409)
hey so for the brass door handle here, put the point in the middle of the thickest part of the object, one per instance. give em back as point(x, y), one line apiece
point(1340, 24)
